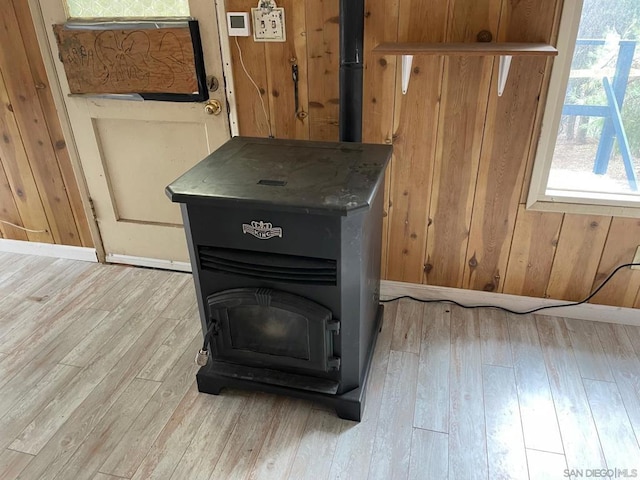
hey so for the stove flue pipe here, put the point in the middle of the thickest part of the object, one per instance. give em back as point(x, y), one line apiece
point(351, 69)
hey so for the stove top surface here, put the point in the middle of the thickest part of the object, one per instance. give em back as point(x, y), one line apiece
point(333, 176)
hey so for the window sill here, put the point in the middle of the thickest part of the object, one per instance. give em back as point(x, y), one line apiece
point(571, 202)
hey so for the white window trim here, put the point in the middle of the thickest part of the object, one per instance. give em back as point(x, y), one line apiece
point(538, 199)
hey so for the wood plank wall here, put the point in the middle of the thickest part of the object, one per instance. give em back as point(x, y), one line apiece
point(458, 181)
point(38, 189)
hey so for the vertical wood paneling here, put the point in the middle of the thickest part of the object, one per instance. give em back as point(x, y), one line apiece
point(43, 89)
point(8, 210)
point(32, 124)
point(580, 246)
point(465, 91)
point(286, 122)
point(622, 241)
point(414, 141)
point(380, 24)
point(532, 251)
point(18, 171)
point(323, 60)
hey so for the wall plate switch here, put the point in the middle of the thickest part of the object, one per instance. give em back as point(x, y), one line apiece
point(268, 25)
point(238, 24)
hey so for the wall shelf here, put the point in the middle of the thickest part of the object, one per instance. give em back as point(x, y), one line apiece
point(505, 50)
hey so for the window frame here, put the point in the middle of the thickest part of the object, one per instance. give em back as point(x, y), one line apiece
point(538, 198)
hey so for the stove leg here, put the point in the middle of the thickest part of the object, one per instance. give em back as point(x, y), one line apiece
point(209, 384)
point(349, 411)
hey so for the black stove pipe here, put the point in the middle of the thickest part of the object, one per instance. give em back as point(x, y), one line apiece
point(351, 69)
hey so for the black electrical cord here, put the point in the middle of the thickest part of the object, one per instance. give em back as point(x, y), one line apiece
point(526, 312)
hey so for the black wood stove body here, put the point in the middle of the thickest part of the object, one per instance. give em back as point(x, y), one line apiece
point(285, 240)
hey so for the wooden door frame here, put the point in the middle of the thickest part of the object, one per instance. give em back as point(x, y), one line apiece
point(63, 116)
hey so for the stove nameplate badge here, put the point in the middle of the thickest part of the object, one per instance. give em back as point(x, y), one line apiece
point(262, 230)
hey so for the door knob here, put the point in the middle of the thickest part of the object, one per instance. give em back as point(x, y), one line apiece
point(213, 107)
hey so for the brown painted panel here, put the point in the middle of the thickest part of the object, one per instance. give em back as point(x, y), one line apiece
point(620, 248)
point(149, 60)
point(53, 123)
point(323, 58)
point(31, 121)
point(414, 142)
point(582, 239)
point(532, 251)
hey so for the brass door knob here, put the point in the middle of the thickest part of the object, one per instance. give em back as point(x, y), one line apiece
point(213, 107)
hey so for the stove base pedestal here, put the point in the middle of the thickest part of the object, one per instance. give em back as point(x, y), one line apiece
point(349, 405)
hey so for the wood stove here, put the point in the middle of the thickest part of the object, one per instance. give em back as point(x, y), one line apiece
point(285, 239)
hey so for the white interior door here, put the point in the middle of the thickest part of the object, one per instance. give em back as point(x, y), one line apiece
point(131, 150)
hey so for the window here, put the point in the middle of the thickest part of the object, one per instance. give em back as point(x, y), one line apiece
point(127, 8)
point(589, 149)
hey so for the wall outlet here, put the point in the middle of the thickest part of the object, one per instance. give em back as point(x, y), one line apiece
point(636, 258)
point(268, 25)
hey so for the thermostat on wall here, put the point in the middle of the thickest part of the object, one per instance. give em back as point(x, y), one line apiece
point(238, 24)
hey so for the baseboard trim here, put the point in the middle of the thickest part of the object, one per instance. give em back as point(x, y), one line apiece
point(148, 262)
point(587, 311)
point(70, 252)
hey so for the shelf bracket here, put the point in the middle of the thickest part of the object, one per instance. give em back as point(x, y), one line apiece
point(407, 60)
point(503, 72)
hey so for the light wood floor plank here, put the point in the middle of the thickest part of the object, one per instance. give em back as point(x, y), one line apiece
point(537, 411)
point(27, 407)
point(23, 372)
point(276, 456)
point(56, 413)
point(204, 450)
point(64, 441)
point(392, 447)
point(494, 333)
point(467, 430)
point(505, 443)
point(183, 302)
point(633, 333)
point(107, 433)
point(12, 463)
point(119, 292)
point(579, 435)
point(178, 433)
point(355, 444)
point(136, 443)
point(626, 368)
point(408, 327)
point(429, 455)
point(174, 345)
point(588, 350)
point(317, 446)
point(432, 393)
point(546, 465)
point(31, 267)
point(143, 297)
point(244, 444)
point(103, 476)
point(55, 320)
point(618, 440)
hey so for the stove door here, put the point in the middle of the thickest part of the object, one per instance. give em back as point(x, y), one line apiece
point(270, 328)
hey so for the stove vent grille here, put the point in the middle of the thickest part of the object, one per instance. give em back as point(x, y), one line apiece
point(268, 266)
